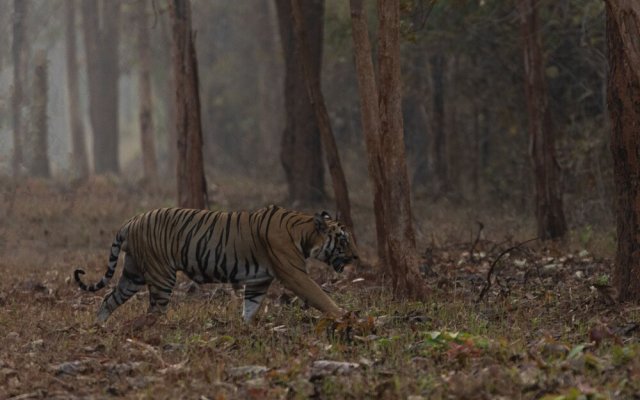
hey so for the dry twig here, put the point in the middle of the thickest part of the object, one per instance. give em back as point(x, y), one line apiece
point(486, 288)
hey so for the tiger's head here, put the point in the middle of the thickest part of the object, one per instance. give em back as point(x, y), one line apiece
point(334, 245)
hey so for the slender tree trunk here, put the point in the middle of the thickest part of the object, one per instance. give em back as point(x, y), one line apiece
point(102, 37)
point(19, 54)
point(402, 264)
point(441, 166)
point(322, 116)
point(39, 163)
point(269, 82)
point(79, 159)
point(623, 21)
point(475, 153)
point(549, 213)
point(168, 92)
point(301, 151)
point(452, 132)
point(192, 187)
point(368, 90)
point(147, 133)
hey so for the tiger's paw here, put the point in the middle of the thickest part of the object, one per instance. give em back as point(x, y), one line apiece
point(349, 327)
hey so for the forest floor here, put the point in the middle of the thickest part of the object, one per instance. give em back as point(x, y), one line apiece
point(547, 327)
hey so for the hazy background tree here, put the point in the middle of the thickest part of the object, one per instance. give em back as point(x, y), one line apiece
point(19, 55)
point(439, 151)
point(314, 91)
point(623, 31)
point(546, 170)
point(192, 186)
point(79, 158)
point(100, 22)
point(301, 152)
point(242, 93)
point(37, 132)
point(147, 133)
point(268, 79)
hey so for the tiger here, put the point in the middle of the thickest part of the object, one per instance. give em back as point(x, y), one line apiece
point(250, 248)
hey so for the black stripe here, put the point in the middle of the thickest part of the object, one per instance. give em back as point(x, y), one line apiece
point(269, 217)
point(234, 271)
point(228, 229)
point(246, 268)
point(255, 263)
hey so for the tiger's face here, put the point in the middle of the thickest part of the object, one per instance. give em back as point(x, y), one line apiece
point(336, 246)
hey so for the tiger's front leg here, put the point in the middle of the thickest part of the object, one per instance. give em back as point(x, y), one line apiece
point(254, 293)
point(296, 279)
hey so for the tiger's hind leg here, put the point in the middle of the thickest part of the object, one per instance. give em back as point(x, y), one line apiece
point(130, 282)
point(254, 293)
point(161, 282)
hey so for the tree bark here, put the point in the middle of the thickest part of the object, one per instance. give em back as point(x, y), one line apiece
point(368, 91)
point(147, 133)
point(101, 38)
point(39, 159)
point(406, 279)
point(548, 198)
point(301, 150)
point(19, 54)
point(623, 96)
point(79, 160)
point(627, 16)
point(322, 116)
point(191, 183)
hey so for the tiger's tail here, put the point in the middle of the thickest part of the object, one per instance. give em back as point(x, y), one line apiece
point(111, 269)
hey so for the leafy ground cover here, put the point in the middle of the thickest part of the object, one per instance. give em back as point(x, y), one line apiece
point(544, 325)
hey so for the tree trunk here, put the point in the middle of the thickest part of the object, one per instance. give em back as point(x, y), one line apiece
point(370, 119)
point(19, 54)
point(269, 81)
point(39, 159)
point(627, 16)
point(452, 133)
point(398, 224)
point(548, 197)
point(169, 167)
point(101, 38)
point(322, 116)
point(147, 133)
point(439, 148)
point(475, 153)
point(79, 160)
point(623, 20)
point(301, 151)
point(192, 187)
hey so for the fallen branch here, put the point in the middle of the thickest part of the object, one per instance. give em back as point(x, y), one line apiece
point(486, 288)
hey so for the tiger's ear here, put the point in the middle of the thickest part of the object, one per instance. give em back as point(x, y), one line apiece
point(320, 221)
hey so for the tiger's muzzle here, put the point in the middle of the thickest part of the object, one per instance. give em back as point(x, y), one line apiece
point(339, 262)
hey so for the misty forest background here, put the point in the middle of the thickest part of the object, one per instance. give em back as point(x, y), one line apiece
point(464, 104)
point(496, 264)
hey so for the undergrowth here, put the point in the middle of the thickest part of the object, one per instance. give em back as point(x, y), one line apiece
point(546, 327)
